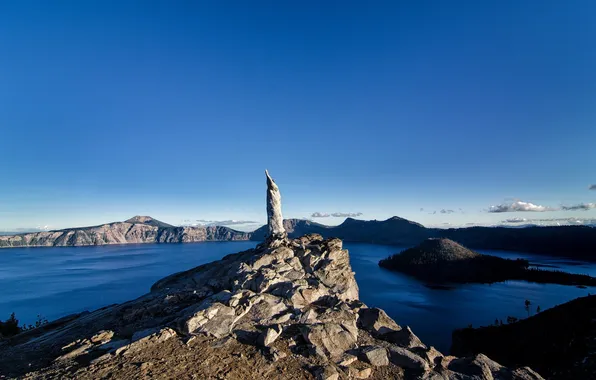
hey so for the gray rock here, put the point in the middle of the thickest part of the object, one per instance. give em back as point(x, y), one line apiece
point(432, 355)
point(404, 338)
point(525, 373)
point(216, 320)
point(346, 359)
point(330, 337)
point(374, 355)
point(269, 335)
point(404, 358)
point(376, 321)
point(479, 366)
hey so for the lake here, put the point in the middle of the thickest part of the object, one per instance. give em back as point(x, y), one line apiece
point(54, 282)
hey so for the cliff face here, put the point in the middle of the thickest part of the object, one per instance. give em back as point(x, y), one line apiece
point(288, 309)
point(137, 231)
point(559, 342)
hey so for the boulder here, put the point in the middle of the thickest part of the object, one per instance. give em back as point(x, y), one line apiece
point(216, 320)
point(403, 338)
point(376, 321)
point(269, 335)
point(333, 339)
point(479, 366)
point(374, 355)
point(404, 358)
point(346, 359)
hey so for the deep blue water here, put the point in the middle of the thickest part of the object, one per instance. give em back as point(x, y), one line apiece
point(55, 282)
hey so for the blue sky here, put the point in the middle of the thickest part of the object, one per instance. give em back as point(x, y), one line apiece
point(110, 109)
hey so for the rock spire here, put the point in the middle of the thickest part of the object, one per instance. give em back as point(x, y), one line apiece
point(275, 220)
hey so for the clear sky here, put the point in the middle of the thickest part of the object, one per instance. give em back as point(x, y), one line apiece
point(173, 109)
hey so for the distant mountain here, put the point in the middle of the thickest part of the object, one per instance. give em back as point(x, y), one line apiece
point(148, 221)
point(139, 229)
point(577, 242)
point(393, 231)
point(294, 227)
point(559, 342)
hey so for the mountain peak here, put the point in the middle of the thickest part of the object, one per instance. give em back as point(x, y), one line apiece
point(399, 219)
point(142, 219)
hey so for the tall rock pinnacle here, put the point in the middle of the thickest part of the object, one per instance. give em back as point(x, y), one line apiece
point(275, 221)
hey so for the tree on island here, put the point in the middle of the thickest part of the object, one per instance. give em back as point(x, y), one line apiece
point(528, 303)
point(538, 309)
point(10, 327)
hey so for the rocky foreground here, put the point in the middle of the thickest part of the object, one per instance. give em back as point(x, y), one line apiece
point(287, 309)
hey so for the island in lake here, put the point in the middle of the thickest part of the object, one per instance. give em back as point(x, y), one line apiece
point(444, 260)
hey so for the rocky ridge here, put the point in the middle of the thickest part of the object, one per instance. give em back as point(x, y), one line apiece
point(287, 309)
point(140, 229)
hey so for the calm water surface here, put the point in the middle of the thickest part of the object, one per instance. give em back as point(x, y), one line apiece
point(55, 282)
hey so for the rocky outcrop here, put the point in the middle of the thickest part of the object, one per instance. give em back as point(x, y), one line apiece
point(560, 342)
point(140, 229)
point(274, 216)
point(287, 309)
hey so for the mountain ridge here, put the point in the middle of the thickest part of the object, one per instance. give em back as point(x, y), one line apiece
point(578, 242)
point(136, 230)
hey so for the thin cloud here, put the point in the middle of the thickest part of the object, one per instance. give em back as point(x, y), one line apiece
point(346, 214)
point(443, 211)
point(229, 222)
point(551, 221)
point(515, 220)
point(592, 187)
point(519, 206)
point(580, 206)
point(23, 230)
point(335, 214)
